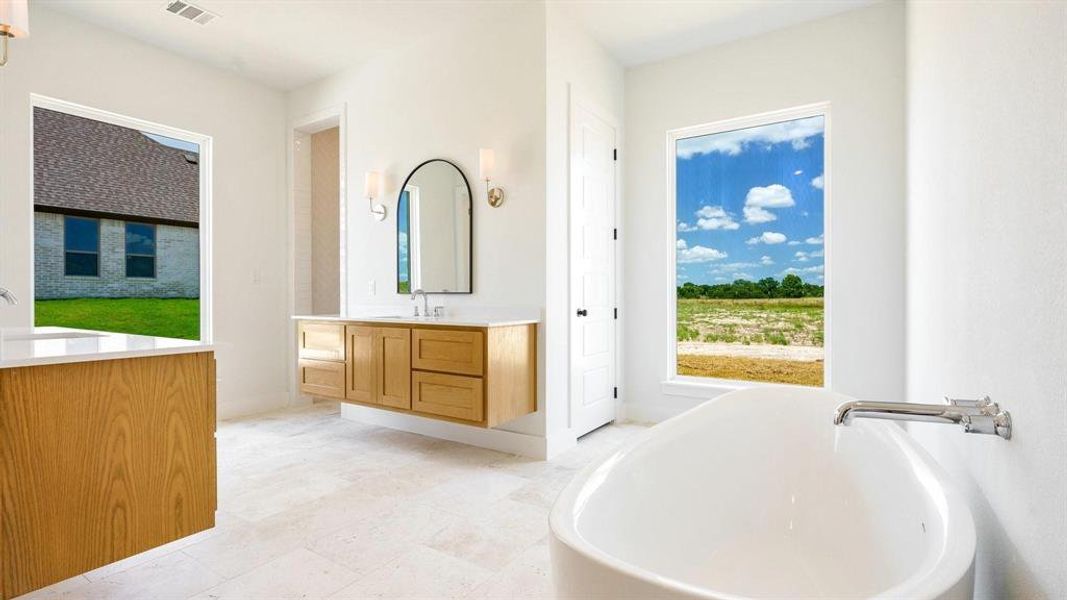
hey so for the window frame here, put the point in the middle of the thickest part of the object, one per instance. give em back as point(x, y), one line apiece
point(704, 387)
point(127, 254)
point(206, 223)
point(66, 219)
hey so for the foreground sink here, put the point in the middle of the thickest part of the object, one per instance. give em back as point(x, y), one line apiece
point(757, 494)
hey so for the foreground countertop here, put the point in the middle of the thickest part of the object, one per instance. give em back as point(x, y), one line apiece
point(494, 319)
point(32, 346)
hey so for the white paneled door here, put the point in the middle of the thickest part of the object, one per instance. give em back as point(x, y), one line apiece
point(592, 264)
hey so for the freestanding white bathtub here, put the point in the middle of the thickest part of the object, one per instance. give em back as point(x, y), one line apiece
point(757, 494)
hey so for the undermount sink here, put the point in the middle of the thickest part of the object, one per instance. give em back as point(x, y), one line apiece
point(60, 335)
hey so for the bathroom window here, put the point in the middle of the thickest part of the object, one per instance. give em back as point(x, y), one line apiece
point(81, 247)
point(140, 250)
point(749, 240)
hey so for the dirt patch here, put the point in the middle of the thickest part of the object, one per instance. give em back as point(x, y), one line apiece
point(765, 370)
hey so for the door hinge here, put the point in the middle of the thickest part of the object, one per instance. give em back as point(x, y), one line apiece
point(616, 313)
point(615, 393)
point(615, 154)
point(615, 234)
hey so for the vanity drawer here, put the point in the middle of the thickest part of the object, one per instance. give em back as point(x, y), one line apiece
point(322, 378)
point(448, 350)
point(447, 395)
point(322, 341)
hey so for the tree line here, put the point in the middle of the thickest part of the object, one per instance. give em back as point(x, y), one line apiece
point(791, 286)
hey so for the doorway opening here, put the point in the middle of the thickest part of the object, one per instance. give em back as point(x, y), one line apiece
point(121, 224)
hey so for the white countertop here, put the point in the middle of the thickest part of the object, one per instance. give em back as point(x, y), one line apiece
point(31, 346)
point(495, 318)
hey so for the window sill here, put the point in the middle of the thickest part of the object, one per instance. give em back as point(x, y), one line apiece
point(706, 388)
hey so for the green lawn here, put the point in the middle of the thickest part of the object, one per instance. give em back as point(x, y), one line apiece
point(165, 317)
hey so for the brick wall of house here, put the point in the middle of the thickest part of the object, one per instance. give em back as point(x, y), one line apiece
point(177, 263)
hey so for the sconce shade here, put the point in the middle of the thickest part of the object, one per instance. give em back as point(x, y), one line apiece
point(370, 184)
point(14, 18)
point(486, 163)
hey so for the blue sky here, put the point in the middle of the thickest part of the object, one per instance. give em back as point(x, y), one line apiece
point(750, 203)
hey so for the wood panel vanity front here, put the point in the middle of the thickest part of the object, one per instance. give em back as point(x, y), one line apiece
point(102, 460)
point(482, 376)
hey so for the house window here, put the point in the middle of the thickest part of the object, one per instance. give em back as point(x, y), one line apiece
point(81, 246)
point(140, 250)
point(749, 234)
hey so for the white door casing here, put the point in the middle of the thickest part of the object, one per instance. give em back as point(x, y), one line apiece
point(592, 271)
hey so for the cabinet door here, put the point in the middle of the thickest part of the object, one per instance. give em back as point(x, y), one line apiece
point(451, 396)
point(459, 351)
point(322, 341)
point(394, 367)
point(322, 378)
point(361, 379)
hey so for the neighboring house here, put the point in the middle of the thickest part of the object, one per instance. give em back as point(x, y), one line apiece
point(116, 213)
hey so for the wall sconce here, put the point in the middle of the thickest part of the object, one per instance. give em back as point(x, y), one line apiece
point(370, 191)
point(486, 164)
point(14, 23)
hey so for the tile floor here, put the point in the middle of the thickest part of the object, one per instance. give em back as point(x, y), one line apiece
point(314, 506)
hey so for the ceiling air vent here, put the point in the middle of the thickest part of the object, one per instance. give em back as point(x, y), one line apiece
point(191, 11)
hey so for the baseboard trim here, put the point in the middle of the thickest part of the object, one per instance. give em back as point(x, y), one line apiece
point(494, 439)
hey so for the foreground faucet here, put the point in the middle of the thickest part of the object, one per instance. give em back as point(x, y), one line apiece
point(976, 416)
point(425, 303)
point(8, 297)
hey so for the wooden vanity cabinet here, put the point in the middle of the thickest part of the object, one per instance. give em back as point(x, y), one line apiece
point(481, 376)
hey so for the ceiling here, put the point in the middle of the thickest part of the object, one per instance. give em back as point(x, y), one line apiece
point(643, 31)
point(288, 43)
point(282, 43)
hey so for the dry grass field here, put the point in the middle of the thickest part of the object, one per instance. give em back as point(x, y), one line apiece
point(772, 340)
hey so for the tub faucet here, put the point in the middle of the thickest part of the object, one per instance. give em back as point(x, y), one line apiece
point(425, 302)
point(976, 416)
point(8, 296)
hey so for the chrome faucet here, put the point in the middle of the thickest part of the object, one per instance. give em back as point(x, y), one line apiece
point(976, 416)
point(8, 296)
point(425, 302)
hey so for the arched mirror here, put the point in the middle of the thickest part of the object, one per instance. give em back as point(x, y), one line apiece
point(433, 230)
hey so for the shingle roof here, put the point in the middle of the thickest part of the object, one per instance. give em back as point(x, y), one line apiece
point(86, 166)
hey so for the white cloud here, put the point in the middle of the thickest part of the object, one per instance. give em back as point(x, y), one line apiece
point(813, 269)
point(772, 196)
point(715, 217)
point(723, 268)
point(817, 182)
point(748, 276)
point(814, 241)
point(697, 254)
point(757, 214)
point(681, 245)
point(766, 260)
point(685, 227)
point(767, 237)
point(795, 132)
point(759, 199)
point(803, 256)
point(794, 243)
point(798, 172)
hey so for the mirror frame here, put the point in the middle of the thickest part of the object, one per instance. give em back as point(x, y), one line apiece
point(470, 218)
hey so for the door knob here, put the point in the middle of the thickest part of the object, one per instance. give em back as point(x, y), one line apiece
point(582, 312)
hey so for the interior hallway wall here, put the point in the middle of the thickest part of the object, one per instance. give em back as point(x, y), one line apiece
point(325, 222)
point(987, 270)
point(577, 67)
point(71, 60)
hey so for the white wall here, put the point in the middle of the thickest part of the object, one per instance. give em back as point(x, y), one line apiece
point(987, 269)
point(856, 62)
point(575, 66)
point(488, 91)
point(70, 60)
